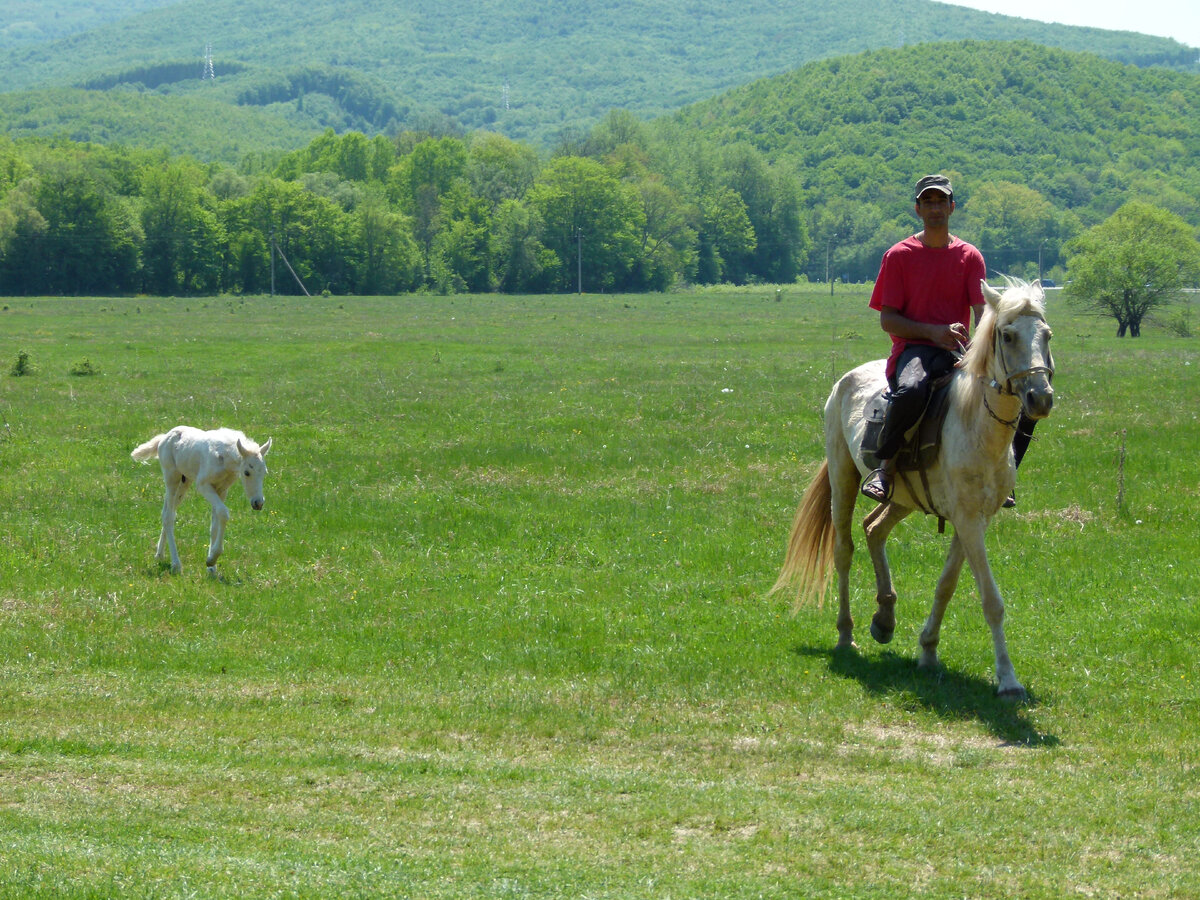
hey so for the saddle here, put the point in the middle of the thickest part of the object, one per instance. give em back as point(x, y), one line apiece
point(920, 448)
point(921, 442)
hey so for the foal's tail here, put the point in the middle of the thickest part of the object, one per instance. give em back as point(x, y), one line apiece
point(809, 557)
point(149, 450)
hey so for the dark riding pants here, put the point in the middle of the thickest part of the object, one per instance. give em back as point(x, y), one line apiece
point(916, 368)
point(1022, 438)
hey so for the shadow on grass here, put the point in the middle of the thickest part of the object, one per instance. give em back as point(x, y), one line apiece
point(944, 692)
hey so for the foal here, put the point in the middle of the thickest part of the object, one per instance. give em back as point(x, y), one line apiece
point(212, 461)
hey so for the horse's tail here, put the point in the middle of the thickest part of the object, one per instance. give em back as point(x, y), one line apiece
point(809, 559)
point(149, 450)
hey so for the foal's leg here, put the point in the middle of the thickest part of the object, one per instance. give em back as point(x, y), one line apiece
point(972, 537)
point(878, 525)
point(220, 516)
point(931, 634)
point(176, 488)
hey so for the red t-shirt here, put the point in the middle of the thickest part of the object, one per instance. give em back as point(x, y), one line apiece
point(934, 285)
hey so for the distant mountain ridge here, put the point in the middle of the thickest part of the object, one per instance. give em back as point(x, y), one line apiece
point(26, 22)
point(531, 70)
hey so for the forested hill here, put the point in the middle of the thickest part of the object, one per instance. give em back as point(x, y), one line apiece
point(531, 69)
point(1059, 138)
point(807, 174)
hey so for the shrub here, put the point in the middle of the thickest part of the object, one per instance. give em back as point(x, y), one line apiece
point(22, 366)
point(1181, 324)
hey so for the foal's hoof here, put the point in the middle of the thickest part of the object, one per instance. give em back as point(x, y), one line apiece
point(1013, 695)
point(881, 635)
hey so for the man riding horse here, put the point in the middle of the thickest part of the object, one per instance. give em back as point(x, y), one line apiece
point(927, 287)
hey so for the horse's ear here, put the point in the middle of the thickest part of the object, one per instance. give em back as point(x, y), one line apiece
point(265, 447)
point(990, 294)
point(242, 448)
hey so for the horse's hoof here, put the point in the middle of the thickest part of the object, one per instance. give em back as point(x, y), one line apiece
point(882, 636)
point(846, 645)
point(1013, 695)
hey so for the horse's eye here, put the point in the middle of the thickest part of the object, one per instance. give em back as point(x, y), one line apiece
point(1008, 337)
point(247, 473)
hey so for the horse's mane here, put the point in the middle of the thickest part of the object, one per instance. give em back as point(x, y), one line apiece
point(1018, 299)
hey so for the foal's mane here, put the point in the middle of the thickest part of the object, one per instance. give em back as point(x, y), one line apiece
point(1019, 298)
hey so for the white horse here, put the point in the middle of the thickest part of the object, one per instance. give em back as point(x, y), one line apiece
point(212, 461)
point(1006, 370)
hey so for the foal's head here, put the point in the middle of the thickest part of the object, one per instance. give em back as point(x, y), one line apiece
point(252, 470)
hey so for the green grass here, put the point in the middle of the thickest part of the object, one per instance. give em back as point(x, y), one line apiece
point(502, 629)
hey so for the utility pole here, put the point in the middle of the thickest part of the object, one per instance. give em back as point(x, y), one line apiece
point(579, 258)
point(272, 262)
point(828, 248)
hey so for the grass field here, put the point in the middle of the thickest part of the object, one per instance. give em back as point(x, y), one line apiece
point(502, 630)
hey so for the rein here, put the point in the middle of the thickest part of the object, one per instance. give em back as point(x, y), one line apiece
point(1008, 423)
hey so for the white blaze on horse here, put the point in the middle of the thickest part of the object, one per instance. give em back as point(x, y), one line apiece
point(1007, 370)
point(211, 461)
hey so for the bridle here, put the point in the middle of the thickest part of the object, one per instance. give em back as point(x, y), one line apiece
point(1005, 388)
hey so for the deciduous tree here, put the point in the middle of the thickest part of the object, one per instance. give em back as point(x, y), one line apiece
point(1136, 261)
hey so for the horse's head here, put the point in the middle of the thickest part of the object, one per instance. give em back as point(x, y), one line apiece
point(1011, 347)
point(252, 470)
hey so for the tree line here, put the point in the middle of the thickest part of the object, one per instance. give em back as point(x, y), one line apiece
point(629, 206)
point(383, 215)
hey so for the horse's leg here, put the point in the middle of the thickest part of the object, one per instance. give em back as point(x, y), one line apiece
point(843, 482)
point(176, 488)
point(878, 525)
point(972, 537)
point(220, 516)
point(931, 633)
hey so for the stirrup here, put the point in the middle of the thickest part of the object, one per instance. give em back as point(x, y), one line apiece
point(877, 486)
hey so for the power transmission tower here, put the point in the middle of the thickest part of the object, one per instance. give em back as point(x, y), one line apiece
point(208, 63)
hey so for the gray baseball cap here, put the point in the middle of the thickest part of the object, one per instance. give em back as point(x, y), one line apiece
point(934, 182)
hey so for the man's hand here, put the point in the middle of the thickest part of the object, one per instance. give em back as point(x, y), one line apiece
point(949, 337)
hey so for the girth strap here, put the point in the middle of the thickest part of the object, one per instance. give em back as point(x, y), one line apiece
point(931, 510)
